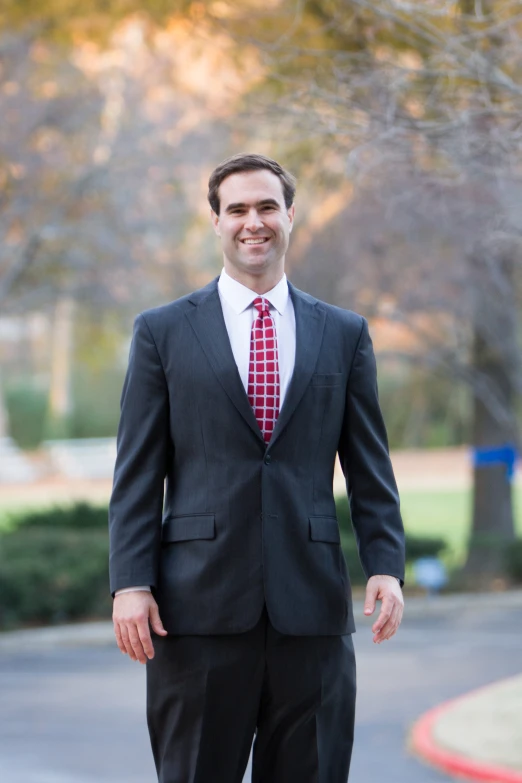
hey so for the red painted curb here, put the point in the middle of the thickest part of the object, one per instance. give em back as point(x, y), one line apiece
point(423, 744)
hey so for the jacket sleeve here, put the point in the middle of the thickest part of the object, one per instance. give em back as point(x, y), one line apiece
point(143, 444)
point(365, 460)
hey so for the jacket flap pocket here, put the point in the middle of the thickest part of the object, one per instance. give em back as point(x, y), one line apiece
point(326, 379)
point(188, 528)
point(325, 529)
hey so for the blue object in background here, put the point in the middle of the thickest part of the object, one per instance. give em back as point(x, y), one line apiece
point(430, 573)
point(487, 456)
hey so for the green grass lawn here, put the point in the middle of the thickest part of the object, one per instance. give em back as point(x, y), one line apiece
point(446, 514)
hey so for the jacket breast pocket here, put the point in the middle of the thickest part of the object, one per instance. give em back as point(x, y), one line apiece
point(324, 529)
point(326, 379)
point(190, 527)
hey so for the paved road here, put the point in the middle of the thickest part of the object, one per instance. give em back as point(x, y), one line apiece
point(75, 715)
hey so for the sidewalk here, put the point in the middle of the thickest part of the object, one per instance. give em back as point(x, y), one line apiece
point(477, 736)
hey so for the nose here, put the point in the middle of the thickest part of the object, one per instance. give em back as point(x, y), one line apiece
point(253, 221)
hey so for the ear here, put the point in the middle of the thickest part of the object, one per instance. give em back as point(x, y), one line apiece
point(215, 222)
point(291, 215)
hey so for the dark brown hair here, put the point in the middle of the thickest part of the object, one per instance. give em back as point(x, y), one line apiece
point(249, 162)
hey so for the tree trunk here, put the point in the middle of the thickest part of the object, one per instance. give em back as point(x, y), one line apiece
point(60, 396)
point(3, 414)
point(492, 522)
point(495, 360)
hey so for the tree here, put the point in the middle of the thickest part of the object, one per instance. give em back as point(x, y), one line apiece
point(420, 105)
point(417, 105)
point(104, 145)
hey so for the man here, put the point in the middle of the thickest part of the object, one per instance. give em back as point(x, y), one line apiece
point(240, 395)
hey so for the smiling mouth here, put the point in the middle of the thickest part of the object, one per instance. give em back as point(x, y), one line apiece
point(255, 240)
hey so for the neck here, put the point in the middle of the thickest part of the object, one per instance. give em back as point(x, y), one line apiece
point(261, 283)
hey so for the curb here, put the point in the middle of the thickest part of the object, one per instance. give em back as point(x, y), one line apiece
point(423, 744)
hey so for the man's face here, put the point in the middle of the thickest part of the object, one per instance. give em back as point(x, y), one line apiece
point(253, 223)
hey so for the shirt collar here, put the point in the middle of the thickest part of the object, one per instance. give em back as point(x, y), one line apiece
point(239, 297)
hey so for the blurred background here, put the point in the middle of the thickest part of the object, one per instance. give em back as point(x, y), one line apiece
point(403, 124)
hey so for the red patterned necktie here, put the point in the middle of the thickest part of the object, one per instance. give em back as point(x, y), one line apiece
point(263, 370)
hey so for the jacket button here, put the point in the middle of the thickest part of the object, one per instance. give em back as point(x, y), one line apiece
point(268, 459)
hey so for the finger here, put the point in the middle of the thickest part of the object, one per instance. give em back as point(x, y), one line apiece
point(384, 614)
point(146, 641)
point(119, 640)
point(391, 630)
point(400, 612)
point(389, 617)
point(391, 626)
point(137, 646)
point(370, 599)
point(155, 621)
point(127, 643)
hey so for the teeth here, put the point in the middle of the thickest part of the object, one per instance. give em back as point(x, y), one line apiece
point(254, 241)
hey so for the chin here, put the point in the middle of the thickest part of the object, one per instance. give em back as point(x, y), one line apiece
point(260, 262)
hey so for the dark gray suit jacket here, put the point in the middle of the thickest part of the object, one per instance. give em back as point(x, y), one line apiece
point(243, 523)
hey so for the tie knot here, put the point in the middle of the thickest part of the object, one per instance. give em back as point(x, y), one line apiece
point(262, 306)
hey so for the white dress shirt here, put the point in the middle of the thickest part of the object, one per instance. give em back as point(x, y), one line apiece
point(239, 313)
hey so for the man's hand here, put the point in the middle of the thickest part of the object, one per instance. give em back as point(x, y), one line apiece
point(387, 589)
point(131, 615)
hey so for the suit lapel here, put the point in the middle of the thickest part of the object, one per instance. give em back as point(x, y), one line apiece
point(207, 321)
point(208, 324)
point(309, 327)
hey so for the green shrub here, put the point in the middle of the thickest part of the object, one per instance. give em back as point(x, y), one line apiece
point(423, 546)
point(50, 575)
point(54, 566)
point(416, 546)
point(344, 516)
point(514, 560)
point(78, 516)
point(26, 406)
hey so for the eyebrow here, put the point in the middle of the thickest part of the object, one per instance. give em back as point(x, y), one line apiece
point(266, 202)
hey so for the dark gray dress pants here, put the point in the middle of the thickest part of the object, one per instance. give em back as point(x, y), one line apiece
point(208, 695)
